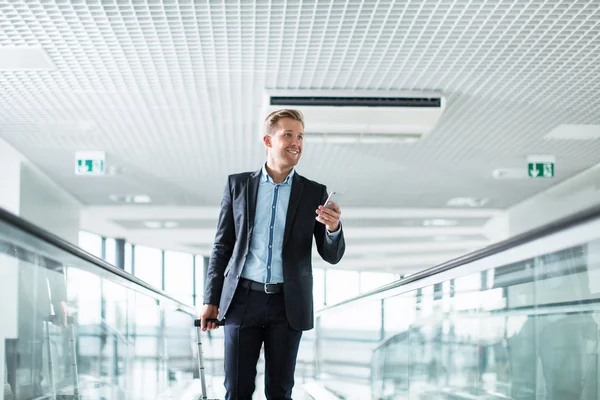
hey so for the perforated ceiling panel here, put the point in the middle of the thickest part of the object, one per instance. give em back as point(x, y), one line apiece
point(172, 91)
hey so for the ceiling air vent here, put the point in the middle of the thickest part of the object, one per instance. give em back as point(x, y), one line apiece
point(365, 117)
point(321, 101)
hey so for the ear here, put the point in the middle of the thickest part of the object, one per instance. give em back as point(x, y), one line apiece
point(267, 140)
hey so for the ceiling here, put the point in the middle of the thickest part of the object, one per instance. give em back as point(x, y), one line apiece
point(173, 91)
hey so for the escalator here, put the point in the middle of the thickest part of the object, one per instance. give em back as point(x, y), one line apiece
point(122, 339)
point(517, 320)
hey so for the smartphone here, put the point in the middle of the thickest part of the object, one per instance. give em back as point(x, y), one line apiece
point(333, 196)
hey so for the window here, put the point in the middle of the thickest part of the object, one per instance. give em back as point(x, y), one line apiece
point(111, 251)
point(128, 257)
point(84, 291)
point(148, 265)
point(373, 280)
point(341, 285)
point(91, 243)
point(199, 280)
point(319, 288)
point(179, 276)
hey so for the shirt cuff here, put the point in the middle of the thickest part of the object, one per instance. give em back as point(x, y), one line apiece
point(335, 234)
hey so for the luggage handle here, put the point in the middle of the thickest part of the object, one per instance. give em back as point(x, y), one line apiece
point(198, 322)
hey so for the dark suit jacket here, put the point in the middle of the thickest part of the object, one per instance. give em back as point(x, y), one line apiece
point(232, 242)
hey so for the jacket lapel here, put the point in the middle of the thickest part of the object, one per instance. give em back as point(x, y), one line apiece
point(295, 195)
point(251, 195)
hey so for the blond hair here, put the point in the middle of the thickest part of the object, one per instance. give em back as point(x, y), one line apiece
point(272, 119)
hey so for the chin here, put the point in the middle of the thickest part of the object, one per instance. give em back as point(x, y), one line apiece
point(292, 161)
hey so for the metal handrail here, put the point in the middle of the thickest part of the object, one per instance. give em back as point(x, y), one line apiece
point(515, 241)
point(116, 273)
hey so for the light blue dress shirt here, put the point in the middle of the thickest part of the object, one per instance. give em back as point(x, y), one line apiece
point(264, 263)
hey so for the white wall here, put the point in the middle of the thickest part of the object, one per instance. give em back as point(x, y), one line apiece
point(568, 197)
point(29, 193)
point(26, 191)
point(46, 205)
point(10, 177)
point(10, 182)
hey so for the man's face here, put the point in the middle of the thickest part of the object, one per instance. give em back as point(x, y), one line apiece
point(285, 144)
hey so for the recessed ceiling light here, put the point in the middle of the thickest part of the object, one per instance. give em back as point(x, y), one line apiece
point(25, 58)
point(68, 128)
point(510, 173)
point(446, 238)
point(170, 224)
point(114, 170)
point(354, 138)
point(440, 222)
point(574, 132)
point(467, 202)
point(141, 198)
point(128, 199)
point(153, 224)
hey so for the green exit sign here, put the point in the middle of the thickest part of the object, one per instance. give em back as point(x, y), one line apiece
point(90, 163)
point(541, 170)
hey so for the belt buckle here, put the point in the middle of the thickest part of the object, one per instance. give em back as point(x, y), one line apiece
point(267, 288)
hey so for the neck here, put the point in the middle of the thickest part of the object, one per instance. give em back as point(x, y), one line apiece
point(278, 174)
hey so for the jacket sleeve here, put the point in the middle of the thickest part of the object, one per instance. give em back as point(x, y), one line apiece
point(330, 248)
point(222, 249)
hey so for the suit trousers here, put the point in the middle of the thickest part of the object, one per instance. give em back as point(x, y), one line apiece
point(255, 318)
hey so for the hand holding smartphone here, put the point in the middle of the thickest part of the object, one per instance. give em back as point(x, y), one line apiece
point(334, 197)
point(330, 217)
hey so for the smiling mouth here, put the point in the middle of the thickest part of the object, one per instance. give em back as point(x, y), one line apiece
point(294, 152)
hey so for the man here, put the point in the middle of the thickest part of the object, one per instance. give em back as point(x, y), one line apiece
point(260, 274)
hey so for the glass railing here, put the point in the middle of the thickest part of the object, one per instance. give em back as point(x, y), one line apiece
point(75, 327)
point(517, 320)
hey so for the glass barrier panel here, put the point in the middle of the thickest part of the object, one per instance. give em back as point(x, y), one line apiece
point(71, 329)
point(522, 324)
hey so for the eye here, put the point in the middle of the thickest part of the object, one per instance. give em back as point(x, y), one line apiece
point(287, 134)
point(300, 137)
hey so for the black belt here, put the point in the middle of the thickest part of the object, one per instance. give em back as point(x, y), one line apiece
point(268, 288)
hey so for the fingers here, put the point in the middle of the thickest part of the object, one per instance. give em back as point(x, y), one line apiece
point(208, 326)
point(332, 205)
point(326, 219)
point(209, 312)
point(329, 215)
point(331, 209)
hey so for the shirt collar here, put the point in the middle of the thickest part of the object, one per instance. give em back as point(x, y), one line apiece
point(267, 178)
